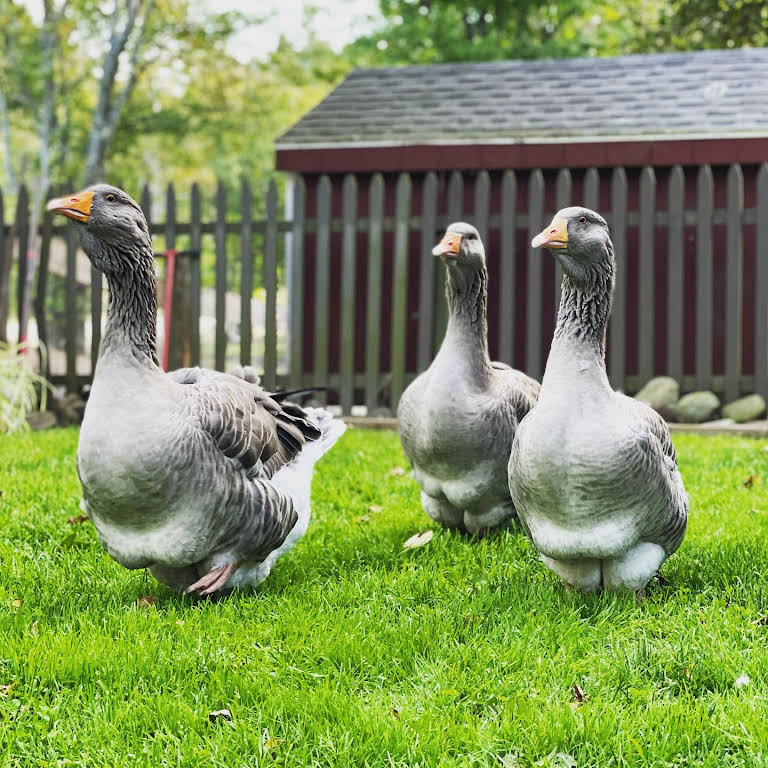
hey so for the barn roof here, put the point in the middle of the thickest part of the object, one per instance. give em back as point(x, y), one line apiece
point(704, 94)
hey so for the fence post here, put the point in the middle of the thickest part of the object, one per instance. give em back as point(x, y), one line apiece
point(246, 272)
point(373, 304)
point(508, 268)
point(733, 281)
point(42, 288)
point(221, 275)
point(322, 282)
point(400, 288)
point(705, 193)
point(761, 281)
point(270, 289)
point(71, 309)
point(348, 285)
point(296, 298)
point(180, 354)
point(618, 324)
point(675, 266)
point(533, 293)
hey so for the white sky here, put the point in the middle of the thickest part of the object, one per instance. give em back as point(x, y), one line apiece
point(336, 21)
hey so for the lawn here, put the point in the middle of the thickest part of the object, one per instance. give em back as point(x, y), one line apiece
point(357, 652)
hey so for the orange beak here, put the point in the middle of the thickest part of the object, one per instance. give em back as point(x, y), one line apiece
point(77, 207)
point(554, 237)
point(449, 246)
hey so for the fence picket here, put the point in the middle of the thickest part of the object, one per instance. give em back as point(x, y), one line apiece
point(71, 310)
point(427, 271)
point(177, 328)
point(675, 265)
point(373, 304)
point(220, 237)
point(22, 232)
point(269, 265)
point(646, 275)
point(454, 211)
point(618, 320)
point(592, 189)
point(5, 268)
point(705, 194)
point(322, 282)
point(508, 266)
point(195, 244)
point(400, 288)
point(761, 281)
point(348, 287)
point(246, 272)
point(482, 204)
point(533, 293)
point(296, 297)
point(733, 281)
point(563, 187)
point(42, 288)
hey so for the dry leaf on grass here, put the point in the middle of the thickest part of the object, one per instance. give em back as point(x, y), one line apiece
point(5, 690)
point(33, 630)
point(273, 743)
point(579, 697)
point(750, 481)
point(396, 713)
point(418, 540)
point(16, 602)
point(220, 714)
point(396, 472)
point(145, 602)
point(375, 508)
point(363, 519)
point(77, 519)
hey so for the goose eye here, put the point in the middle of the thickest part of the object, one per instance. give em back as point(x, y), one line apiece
point(582, 219)
point(110, 198)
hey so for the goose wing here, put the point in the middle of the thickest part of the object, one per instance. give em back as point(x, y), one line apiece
point(246, 424)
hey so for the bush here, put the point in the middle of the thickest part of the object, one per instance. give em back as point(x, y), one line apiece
point(21, 389)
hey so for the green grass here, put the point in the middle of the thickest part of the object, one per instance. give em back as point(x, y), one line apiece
point(356, 652)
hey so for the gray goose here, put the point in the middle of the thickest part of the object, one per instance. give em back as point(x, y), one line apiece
point(200, 476)
point(593, 472)
point(457, 419)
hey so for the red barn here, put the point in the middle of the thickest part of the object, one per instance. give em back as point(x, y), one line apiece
point(671, 148)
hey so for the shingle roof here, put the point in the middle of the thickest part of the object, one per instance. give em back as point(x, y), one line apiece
point(698, 94)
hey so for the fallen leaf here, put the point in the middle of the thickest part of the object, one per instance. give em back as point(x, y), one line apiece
point(146, 601)
point(363, 519)
point(758, 511)
point(6, 689)
point(374, 508)
point(396, 713)
point(77, 519)
point(33, 630)
point(578, 693)
point(741, 681)
point(273, 743)
point(418, 540)
point(220, 714)
point(750, 481)
point(396, 472)
point(16, 602)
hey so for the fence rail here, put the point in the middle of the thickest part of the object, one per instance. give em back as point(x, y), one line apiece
point(365, 308)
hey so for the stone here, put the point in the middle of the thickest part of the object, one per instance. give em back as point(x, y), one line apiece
point(661, 393)
point(745, 409)
point(40, 420)
point(696, 407)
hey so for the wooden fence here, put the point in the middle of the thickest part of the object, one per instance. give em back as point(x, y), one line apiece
point(366, 309)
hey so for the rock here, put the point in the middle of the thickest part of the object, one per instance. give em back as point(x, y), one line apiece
point(69, 409)
point(744, 409)
point(40, 420)
point(696, 407)
point(661, 394)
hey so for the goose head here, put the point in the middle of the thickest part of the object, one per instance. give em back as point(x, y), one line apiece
point(580, 241)
point(461, 247)
point(113, 231)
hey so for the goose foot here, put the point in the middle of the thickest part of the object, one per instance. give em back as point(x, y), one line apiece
point(212, 581)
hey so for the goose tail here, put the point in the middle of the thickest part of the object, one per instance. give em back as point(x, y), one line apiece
point(331, 430)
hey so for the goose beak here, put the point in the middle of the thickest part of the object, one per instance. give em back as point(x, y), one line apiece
point(449, 246)
point(554, 237)
point(77, 207)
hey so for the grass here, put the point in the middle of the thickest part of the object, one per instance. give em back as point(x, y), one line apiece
point(356, 652)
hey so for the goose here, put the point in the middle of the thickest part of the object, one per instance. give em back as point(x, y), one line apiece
point(457, 419)
point(202, 477)
point(593, 472)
